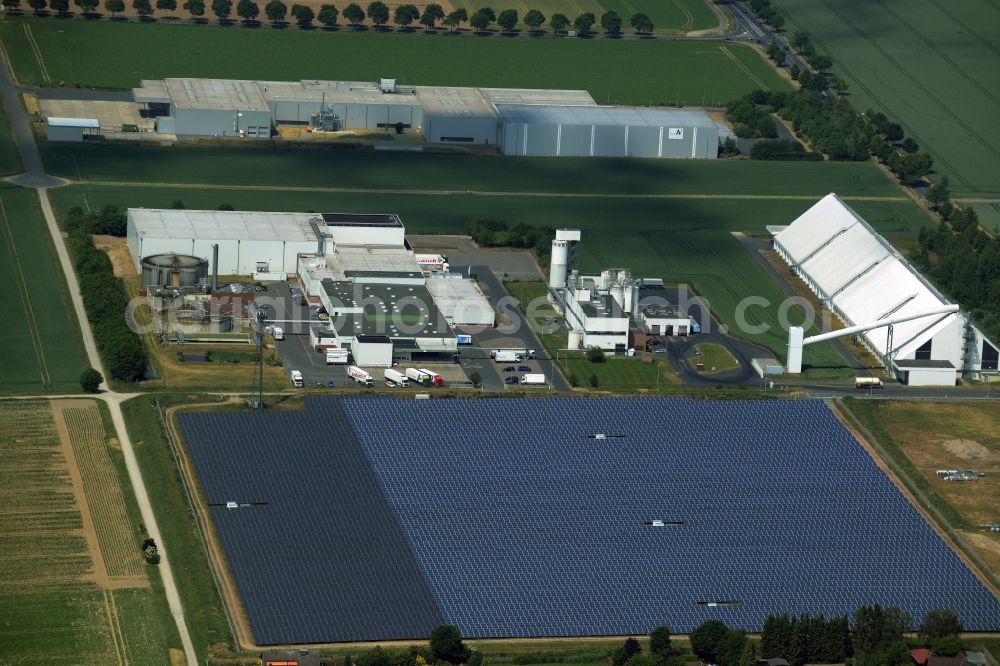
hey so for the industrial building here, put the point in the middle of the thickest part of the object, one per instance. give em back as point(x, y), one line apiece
point(518, 121)
point(862, 278)
point(71, 129)
point(607, 310)
point(602, 131)
point(382, 304)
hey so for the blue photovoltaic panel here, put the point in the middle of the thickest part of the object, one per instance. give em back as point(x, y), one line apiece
point(523, 525)
point(318, 554)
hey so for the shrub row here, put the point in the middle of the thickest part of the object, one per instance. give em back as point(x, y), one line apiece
point(105, 299)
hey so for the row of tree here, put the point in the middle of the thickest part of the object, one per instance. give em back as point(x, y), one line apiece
point(875, 635)
point(496, 233)
point(377, 12)
point(104, 296)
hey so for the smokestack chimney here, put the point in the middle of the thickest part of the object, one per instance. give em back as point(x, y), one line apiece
point(215, 267)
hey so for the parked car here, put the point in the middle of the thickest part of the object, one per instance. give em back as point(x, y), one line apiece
point(331, 383)
point(510, 368)
point(260, 287)
point(512, 380)
point(323, 316)
point(523, 368)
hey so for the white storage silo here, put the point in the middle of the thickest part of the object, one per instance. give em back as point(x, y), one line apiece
point(558, 264)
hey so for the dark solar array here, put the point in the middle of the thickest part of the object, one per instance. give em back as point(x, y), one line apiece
point(523, 525)
point(318, 555)
point(512, 520)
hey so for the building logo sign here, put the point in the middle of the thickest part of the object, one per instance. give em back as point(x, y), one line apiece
point(676, 133)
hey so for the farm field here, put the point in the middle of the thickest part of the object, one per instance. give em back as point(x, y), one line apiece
point(41, 341)
point(74, 580)
point(660, 72)
point(10, 161)
point(686, 239)
point(927, 437)
point(934, 67)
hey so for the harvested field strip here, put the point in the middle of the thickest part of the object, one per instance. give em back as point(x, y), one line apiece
point(119, 551)
point(425, 192)
point(37, 52)
point(746, 70)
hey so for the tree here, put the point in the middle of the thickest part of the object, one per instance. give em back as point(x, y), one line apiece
point(114, 6)
point(937, 195)
point(247, 10)
point(222, 9)
point(196, 8)
point(275, 11)
point(559, 22)
point(584, 22)
point(777, 22)
point(705, 639)
point(405, 15)
point(729, 147)
point(780, 57)
point(11, 4)
point(354, 14)
point(86, 5)
point(794, 71)
point(909, 145)
point(612, 23)
point(378, 13)
point(730, 648)
point(61, 6)
point(37, 5)
point(749, 654)
point(876, 628)
point(225, 206)
point(507, 19)
point(328, 15)
point(150, 551)
point(446, 644)
point(534, 19)
point(91, 380)
point(800, 40)
point(594, 381)
point(166, 5)
point(596, 354)
point(820, 62)
point(941, 622)
point(659, 641)
point(432, 14)
point(476, 379)
point(142, 7)
point(304, 16)
point(482, 19)
point(455, 18)
point(947, 646)
point(911, 166)
point(642, 23)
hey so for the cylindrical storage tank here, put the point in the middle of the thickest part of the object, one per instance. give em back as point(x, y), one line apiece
point(574, 340)
point(173, 270)
point(618, 294)
point(558, 264)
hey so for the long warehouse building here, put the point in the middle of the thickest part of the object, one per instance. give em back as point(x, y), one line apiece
point(862, 278)
point(518, 121)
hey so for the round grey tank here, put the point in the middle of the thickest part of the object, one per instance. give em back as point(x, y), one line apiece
point(173, 270)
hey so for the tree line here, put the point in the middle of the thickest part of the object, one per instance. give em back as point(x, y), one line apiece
point(104, 295)
point(496, 233)
point(377, 12)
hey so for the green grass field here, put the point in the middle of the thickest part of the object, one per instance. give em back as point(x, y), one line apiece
point(41, 340)
point(10, 161)
point(716, 358)
point(933, 66)
point(685, 239)
point(624, 72)
point(203, 610)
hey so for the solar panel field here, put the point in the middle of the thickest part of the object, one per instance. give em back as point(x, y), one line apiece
point(513, 521)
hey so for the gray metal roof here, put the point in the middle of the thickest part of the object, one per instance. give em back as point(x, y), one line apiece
point(922, 363)
point(73, 122)
point(634, 116)
point(396, 310)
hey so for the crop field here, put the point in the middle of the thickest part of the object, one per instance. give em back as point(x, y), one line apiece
point(686, 211)
point(63, 592)
point(10, 162)
point(659, 72)
point(933, 66)
point(40, 339)
point(933, 436)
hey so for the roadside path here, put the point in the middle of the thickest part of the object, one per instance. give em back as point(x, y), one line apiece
point(36, 178)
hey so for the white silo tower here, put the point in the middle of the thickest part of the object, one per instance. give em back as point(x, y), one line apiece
point(558, 263)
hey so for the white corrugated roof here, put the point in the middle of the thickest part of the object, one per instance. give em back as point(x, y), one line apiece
point(223, 225)
point(73, 122)
point(862, 274)
point(604, 115)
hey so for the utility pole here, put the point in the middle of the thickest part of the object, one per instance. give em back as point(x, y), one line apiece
point(257, 387)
